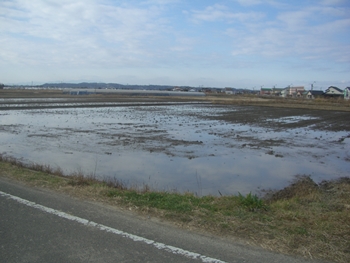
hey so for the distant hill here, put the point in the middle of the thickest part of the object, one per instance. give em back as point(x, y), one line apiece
point(96, 85)
point(101, 85)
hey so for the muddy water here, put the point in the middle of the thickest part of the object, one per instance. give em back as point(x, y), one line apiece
point(193, 148)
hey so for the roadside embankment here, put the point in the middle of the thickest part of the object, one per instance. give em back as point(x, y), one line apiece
point(304, 218)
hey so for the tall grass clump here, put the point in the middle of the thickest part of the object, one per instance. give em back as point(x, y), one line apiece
point(251, 201)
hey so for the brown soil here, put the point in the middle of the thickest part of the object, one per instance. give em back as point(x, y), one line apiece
point(257, 111)
point(264, 116)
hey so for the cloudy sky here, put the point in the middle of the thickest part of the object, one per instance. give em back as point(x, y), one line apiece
point(227, 43)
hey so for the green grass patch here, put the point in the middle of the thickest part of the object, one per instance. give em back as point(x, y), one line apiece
point(251, 202)
point(181, 203)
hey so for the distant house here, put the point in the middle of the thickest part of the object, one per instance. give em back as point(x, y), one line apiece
point(270, 91)
point(265, 91)
point(299, 93)
point(228, 90)
point(347, 93)
point(177, 89)
point(284, 93)
point(313, 94)
point(333, 92)
point(276, 91)
point(293, 92)
point(296, 91)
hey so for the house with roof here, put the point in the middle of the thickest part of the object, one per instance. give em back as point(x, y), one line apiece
point(313, 94)
point(347, 93)
point(270, 91)
point(276, 91)
point(176, 89)
point(294, 92)
point(284, 93)
point(265, 91)
point(228, 90)
point(333, 92)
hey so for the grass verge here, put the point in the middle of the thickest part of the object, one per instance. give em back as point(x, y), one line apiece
point(305, 218)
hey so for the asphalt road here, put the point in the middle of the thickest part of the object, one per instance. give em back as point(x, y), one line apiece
point(39, 225)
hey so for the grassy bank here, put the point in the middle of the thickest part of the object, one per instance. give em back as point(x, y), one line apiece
point(305, 218)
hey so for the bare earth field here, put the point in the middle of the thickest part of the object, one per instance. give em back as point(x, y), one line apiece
point(305, 218)
point(33, 99)
point(215, 134)
point(322, 112)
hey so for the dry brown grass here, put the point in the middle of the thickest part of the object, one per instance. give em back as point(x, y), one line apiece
point(31, 93)
point(314, 220)
point(319, 103)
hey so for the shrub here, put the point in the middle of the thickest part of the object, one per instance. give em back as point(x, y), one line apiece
point(251, 202)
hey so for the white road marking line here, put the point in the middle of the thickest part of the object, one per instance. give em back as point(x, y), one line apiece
point(161, 246)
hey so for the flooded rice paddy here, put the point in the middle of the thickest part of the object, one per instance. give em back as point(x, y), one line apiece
point(205, 149)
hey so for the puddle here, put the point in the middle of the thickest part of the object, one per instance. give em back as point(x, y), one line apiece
point(292, 119)
point(177, 147)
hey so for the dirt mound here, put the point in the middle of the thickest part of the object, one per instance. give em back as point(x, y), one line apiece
point(303, 185)
point(332, 185)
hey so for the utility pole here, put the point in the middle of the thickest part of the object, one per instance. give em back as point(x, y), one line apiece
point(312, 85)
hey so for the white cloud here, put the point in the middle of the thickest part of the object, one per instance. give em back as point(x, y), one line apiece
point(183, 44)
point(80, 32)
point(222, 13)
point(180, 36)
point(254, 3)
point(161, 2)
point(249, 2)
point(333, 2)
point(303, 33)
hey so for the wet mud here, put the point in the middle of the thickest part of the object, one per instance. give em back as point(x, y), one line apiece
point(180, 146)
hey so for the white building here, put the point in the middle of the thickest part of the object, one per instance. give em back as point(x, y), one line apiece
point(296, 91)
point(347, 93)
point(333, 92)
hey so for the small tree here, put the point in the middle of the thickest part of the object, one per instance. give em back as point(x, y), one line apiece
point(2, 86)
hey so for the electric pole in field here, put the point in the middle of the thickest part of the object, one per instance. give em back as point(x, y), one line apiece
point(312, 85)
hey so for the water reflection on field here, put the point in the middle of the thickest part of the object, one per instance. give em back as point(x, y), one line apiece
point(174, 147)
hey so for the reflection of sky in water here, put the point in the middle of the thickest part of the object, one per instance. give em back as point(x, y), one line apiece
point(71, 104)
point(198, 155)
point(292, 119)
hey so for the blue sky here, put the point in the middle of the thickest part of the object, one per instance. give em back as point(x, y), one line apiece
point(228, 43)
